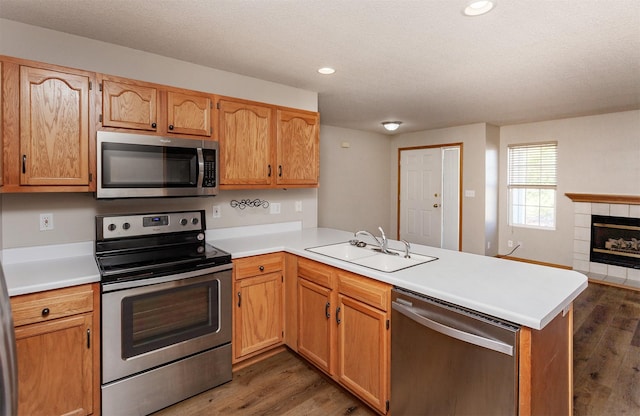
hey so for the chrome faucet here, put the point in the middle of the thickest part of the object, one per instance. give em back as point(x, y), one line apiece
point(381, 242)
point(407, 247)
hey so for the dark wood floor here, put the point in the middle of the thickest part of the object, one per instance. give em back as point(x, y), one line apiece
point(282, 385)
point(606, 371)
point(606, 352)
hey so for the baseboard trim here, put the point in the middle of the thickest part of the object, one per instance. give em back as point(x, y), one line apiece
point(541, 263)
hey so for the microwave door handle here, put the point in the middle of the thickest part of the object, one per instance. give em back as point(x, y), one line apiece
point(200, 167)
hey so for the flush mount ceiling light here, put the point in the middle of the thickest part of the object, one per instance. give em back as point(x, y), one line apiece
point(479, 7)
point(326, 70)
point(391, 125)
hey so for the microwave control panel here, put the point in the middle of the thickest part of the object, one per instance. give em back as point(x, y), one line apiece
point(209, 178)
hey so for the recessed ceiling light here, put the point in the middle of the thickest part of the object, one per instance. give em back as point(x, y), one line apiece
point(391, 125)
point(326, 70)
point(478, 7)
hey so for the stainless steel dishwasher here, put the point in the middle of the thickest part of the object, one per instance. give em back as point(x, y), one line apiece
point(447, 360)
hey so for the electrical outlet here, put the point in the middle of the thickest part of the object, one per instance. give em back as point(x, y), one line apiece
point(217, 211)
point(275, 208)
point(298, 206)
point(510, 243)
point(46, 222)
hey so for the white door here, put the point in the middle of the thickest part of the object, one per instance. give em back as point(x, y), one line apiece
point(450, 206)
point(421, 196)
point(430, 196)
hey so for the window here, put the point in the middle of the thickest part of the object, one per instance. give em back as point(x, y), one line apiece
point(532, 184)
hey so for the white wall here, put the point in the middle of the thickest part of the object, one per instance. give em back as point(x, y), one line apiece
point(596, 155)
point(44, 45)
point(354, 181)
point(74, 213)
point(473, 137)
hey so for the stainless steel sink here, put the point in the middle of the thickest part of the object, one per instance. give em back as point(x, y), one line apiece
point(369, 257)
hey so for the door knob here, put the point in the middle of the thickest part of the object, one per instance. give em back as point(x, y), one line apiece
point(436, 205)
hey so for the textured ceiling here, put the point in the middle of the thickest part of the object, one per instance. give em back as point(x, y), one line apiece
point(421, 62)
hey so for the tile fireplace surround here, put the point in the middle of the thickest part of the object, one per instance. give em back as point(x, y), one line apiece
point(614, 205)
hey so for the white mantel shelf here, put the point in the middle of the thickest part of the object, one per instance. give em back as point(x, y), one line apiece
point(605, 198)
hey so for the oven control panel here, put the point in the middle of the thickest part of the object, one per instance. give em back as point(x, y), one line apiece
point(133, 225)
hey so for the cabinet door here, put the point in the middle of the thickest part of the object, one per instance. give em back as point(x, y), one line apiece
point(55, 367)
point(54, 127)
point(129, 106)
point(298, 148)
point(258, 319)
point(315, 328)
point(189, 114)
point(363, 351)
point(245, 144)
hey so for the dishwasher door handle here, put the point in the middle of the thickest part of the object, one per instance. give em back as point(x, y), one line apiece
point(488, 343)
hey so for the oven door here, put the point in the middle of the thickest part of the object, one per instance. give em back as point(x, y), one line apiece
point(144, 327)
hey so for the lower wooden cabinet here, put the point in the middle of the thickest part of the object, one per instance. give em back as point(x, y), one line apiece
point(344, 329)
point(316, 330)
point(58, 351)
point(258, 318)
point(363, 351)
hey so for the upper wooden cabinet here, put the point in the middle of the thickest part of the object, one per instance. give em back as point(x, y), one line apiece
point(128, 105)
point(189, 114)
point(47, 128)
point(298, 148)
point(263, 146)
point(245, 138)
point(137, 105)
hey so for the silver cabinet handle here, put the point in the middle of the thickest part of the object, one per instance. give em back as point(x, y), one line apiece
point(491, 344)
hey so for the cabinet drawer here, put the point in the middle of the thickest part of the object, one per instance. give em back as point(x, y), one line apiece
point(258, 265)
point(52, 304)
point(371, 292)
point(315, 272)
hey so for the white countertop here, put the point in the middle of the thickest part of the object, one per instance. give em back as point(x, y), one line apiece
point(35, 269)
point(523, 293)
point(527, 294)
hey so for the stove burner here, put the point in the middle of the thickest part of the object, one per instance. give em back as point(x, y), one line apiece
point(140, 246)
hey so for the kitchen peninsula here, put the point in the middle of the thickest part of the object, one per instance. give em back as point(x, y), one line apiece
point(522, 293)
point(536, 297)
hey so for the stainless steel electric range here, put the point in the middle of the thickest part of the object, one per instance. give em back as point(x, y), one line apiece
point(166, 310)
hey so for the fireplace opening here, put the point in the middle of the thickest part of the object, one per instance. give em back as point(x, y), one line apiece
point(615, 241)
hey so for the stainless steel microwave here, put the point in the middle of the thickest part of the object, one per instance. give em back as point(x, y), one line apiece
point(139, 166)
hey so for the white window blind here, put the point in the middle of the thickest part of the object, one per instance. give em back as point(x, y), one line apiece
point(532, 180)
point(533, 165)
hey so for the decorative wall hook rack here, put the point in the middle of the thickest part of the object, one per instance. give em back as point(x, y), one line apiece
point(253, 203)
